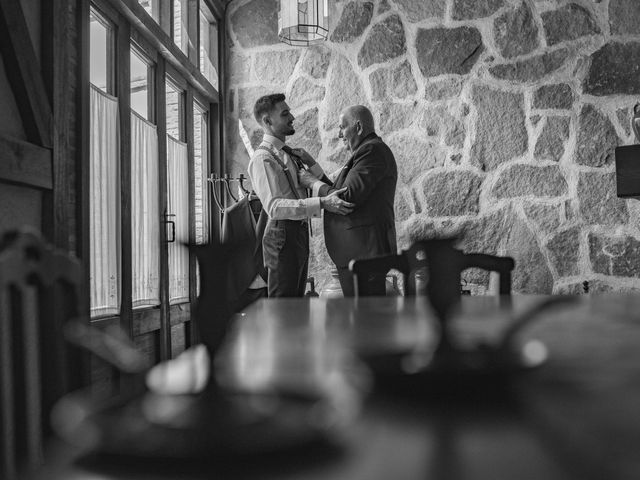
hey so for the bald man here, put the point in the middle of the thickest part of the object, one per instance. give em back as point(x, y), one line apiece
point(370, 176)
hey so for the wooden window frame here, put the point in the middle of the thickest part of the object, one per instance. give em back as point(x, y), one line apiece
point(134, 26)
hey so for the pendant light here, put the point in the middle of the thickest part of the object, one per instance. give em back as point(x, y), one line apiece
point(303, 22)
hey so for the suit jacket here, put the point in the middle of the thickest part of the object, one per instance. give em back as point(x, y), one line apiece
point(370, 176)
point(239, 227)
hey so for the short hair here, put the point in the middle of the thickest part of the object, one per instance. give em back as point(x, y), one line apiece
point(266, 104)
point(363, 114)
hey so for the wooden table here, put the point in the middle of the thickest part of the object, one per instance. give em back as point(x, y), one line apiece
point(577, 416)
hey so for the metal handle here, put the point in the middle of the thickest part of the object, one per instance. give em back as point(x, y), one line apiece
point(173, 226)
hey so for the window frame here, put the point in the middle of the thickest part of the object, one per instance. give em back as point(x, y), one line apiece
point(134, 26)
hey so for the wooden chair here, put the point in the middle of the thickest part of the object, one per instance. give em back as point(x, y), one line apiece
point(437, 259)
point(360, 269)
point(39, 290)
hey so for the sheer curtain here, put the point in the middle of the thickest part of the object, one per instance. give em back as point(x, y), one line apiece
point(104, 205)
point(145, 215)
point(178, 189)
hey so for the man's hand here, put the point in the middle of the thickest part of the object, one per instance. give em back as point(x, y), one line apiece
point(304, 156)
point(334, 204)
point(306, 178)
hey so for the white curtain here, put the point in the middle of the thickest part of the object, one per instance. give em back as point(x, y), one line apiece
point(178, 189)
point(145, 215)
point(201, 192)
point(104, 205)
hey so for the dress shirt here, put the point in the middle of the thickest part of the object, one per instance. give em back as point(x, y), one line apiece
point(272, 187)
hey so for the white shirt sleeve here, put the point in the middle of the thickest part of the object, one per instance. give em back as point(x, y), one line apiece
point(272, 187)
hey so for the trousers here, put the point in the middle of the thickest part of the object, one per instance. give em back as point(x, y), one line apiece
point(285, 247)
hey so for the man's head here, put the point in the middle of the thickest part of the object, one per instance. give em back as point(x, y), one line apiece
point(356, 122)
point(272, 113)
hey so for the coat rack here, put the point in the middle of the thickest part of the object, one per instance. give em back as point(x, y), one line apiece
point(214, 179)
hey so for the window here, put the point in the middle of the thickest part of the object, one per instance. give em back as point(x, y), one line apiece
point(208, 45)
point(181, 24)
point(152, 7)
point(104, 192)
point(178, 196)
point(141, 85)
point(200, 155)
point(101, 50)
point(145, 212)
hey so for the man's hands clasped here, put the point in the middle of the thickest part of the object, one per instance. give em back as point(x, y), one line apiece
point(334, 204)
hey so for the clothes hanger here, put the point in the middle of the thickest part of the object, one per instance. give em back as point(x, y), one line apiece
point(241, 179)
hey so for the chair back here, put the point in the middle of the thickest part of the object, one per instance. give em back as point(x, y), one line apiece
point(39, 290)
point(445, 265)
point(381, 265)
point(436, 259)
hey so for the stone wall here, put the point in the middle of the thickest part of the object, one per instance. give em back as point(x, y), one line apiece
point(503, 116)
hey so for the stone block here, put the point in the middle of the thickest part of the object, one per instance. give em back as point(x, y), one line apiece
point(316, 61)
point(422, 10)
point(452, 193)
point(552, 140)
point(564, 248)
point(557, 96)
point(614, 255)
point(545, 217)
point(532, 69)
point(448, 50)
point(526, 180)
point(614, 70)
point(304, 92)
point(256, 23)
point(570, 22)
point(597, 138)
point(516, 32)
point(396, 116)
point(443, 89)
point(414, 155)
point(599, 204)
point(385, 41)
point(470, 9)
point(307, 135)
point(276, 67)
point(395, 82)
point(355, 18)
point(501, 134)
point(344, 89)
point(624, 17)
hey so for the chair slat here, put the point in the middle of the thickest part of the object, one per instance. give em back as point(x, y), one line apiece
point(34, 364)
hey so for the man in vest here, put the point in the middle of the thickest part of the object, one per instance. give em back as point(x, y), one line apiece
point(274, 177)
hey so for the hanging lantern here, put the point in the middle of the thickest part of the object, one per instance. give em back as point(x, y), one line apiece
point(303, 22)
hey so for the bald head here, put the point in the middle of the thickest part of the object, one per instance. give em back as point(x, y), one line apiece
point(360, 113)
point(356, 122)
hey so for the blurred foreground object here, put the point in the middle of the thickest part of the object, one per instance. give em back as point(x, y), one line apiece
point(180, 410)
point(39, 291)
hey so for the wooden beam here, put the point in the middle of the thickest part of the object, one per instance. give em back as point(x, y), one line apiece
point(25, 163)
point(23, 72)
point(161, 111)
point(123, 89)
point(154, 33)
point(60, 54)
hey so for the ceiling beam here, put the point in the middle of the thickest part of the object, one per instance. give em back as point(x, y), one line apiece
point(23, 72)
point(25, 163)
